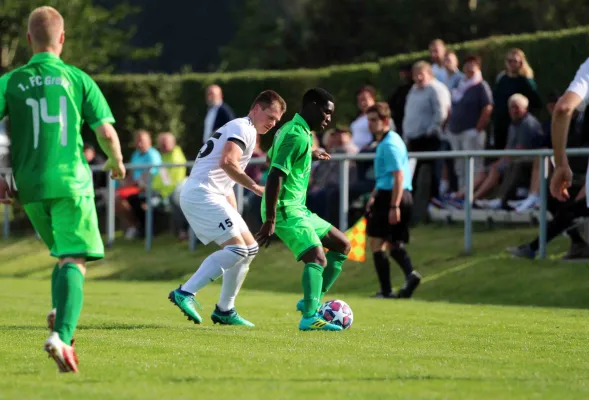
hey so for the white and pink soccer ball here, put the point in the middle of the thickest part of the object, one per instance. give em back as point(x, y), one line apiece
point(337, 312)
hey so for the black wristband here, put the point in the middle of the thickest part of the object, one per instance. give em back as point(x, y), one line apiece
point(393, 207)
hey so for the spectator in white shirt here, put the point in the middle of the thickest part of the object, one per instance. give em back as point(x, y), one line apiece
point(361, 135)
point(218, 114)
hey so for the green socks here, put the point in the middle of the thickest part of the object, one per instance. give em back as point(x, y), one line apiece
point(54, 286)
point(70, 297)
point(332, 270)
point(312, 283)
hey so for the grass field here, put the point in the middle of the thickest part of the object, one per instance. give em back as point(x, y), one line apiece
point(480, 327)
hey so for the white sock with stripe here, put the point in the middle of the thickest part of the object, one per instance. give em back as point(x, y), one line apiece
point(214, 266)
point(233, 279)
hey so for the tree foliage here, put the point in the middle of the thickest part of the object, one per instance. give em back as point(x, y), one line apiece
point(95, 39)
point(326, 32)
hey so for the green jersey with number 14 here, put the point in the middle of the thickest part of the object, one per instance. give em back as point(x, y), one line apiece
point(46, 102)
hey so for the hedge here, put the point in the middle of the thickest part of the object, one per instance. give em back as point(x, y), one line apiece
point(176, 102)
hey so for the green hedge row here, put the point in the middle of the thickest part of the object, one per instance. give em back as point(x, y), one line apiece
point(176, 102)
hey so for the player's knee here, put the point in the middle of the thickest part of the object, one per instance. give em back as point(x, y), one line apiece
point(77, 261)
point(377, 245)
point(346, 246)
point(232, 254)
point(316, 256)
point(397, 248)
point(252, 250)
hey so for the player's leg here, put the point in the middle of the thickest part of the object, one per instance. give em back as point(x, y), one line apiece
point(212, 219)
point(339, 247)
point(233, 279)
point(297, 233)
point(39, 215)
point(398, 239)
point(77, 240)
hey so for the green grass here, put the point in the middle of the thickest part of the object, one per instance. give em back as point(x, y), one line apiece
point(480, 327)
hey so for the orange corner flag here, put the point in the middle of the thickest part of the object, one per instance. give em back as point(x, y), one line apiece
point(357, 236)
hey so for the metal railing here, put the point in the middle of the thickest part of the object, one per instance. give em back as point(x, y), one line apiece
point(344, 167)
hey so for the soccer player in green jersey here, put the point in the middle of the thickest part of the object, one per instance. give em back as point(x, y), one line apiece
point(46, 102)
point(284, 211)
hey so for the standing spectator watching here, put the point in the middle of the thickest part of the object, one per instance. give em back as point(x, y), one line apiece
point(361, 136)
point(389, 207)
point(399, 97)
point(426, 111)
point(218, 114)
point(472, 105)
point(518, 77)
point(454, 74)
point(437, 51)
point(168, 179)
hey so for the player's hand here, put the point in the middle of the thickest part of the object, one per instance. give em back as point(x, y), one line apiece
point(266, 231)
point(116, 168)
point(258, 190)
point(562, 179)
point(320, 154)
point(394, 216)
point(369, 205)
point(5, 192)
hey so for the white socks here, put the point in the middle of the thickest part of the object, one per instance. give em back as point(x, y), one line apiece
point(233, 279)
point(214, 266)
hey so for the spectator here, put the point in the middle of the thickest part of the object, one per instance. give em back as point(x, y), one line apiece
point(518, 77)
point(454, 75)
point(168, 179)
point(361, 135)
point(323, 191)
point(399, 97)
point(129, 198)
point(437, 51)
point(98, 176)
point(218, 114)
point(525, 132)
point(472, 105)
point(426, 111)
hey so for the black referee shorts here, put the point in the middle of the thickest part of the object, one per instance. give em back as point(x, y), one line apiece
point(378, 221)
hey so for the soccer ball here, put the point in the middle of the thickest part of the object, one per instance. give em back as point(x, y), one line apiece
point(337, 312)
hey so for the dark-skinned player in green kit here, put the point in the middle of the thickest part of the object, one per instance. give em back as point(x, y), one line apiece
point(46, 102)
point(284, 211)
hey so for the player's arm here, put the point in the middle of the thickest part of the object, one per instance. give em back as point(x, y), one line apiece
point(273, 186)
point(109, 142)
point(229, 162)
point(397, 195)
point(561, 120)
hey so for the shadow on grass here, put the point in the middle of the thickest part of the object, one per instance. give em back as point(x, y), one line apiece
point(489, 276)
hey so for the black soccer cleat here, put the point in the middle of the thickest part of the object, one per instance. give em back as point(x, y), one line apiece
point(411, 283)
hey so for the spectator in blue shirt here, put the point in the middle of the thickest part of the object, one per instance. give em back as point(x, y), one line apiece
point(389, 207)
point(131, 196)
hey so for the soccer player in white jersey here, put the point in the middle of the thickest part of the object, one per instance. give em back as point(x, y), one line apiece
point(576, 97)
point(208, 202)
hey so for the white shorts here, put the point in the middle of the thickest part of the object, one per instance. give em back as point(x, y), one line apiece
point(211, 217)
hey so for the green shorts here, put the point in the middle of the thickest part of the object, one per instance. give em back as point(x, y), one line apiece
point(301, 230)
point(68, 226)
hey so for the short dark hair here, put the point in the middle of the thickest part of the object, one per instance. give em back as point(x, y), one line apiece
point(473, 58)
point(267, 98)
point(382, 109)
point(367, 88)
point(319, 96)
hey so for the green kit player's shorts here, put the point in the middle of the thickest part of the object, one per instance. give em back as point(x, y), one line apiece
point(300, 230)
point(68, 226)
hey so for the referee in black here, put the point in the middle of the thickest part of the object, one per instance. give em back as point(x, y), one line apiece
point(389, 207)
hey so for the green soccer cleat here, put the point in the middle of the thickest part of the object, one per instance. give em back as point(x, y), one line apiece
point(301, 306)
point(316, 323)
point(185, 301)
point(230, 317)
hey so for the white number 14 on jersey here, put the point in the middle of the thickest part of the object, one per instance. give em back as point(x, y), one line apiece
point(40, 113)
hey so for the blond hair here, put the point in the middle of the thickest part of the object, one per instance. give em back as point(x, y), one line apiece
point(45, 26)
point(436, 42)
point(422, 66)
point(519, 99)
point(525, 70)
